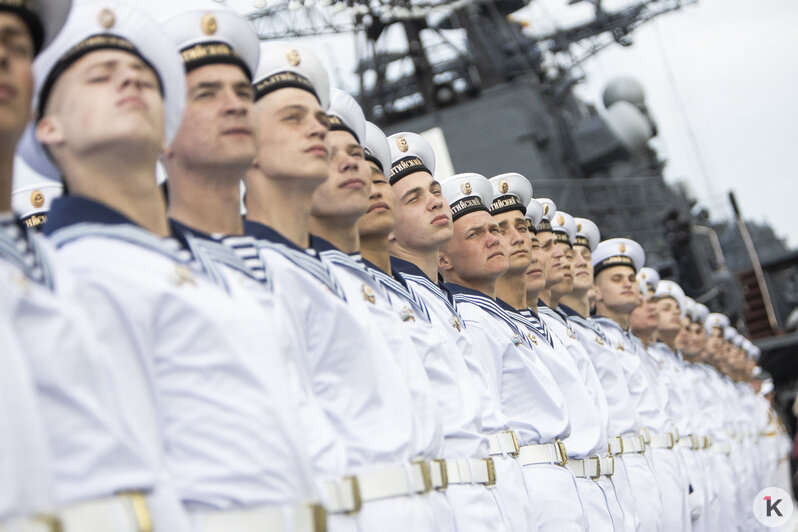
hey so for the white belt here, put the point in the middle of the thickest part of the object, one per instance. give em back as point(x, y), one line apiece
point(464, 471)
point(585, 467)
point(688, 441)
point(626, 445)
point(542, 453)
point(302, 518)
point(348, 494)
point(128, 512)
point(30, 524)
point(723, 448)
point(661, 441)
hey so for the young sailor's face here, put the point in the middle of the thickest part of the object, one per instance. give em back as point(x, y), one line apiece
point(477, 250)
point(515, 232)
point(105, 98)
point(16, 77)
point(380, 218)
point(582, 268)
point(423, 217)
point(218, 126)
point(669, 316)
point(346, 191)
point(616, 287)
point(292, 136)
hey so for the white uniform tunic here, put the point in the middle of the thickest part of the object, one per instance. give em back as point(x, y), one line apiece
point(666, 464)
point(531, 404)
point(412, 433)
point(25, 470)
point(221, 417)
point(633, 476)
point(461, 392)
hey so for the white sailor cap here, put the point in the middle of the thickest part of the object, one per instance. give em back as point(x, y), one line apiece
point(564, 227)
point(284, 64)
point(346, 114)
point(511, 191)
point(738, 339)
point(618, 251)
point(44, 18)
point(672, 290)
point(729, 333)
point(767, 385)
point(689, 308)
point(375, 148)
point(716, 320)
point(753, 352)
point(647, 279)
point(32, 202)
point(700, 312)
point(99, 25)
point(211, 36)
point(410, 153)
point(587, 234)
point(466, 193)
point(534, 214)
point(549, 208)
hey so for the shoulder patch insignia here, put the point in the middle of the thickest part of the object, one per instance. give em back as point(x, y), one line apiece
point(517, 340)
point(532, 338)
point(454, 322)
point(182, 275)
point(368, 293)
point(407, 314)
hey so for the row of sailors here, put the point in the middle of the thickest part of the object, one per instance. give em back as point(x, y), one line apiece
point(369, 349)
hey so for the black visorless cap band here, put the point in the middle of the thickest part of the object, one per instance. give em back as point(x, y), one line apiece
point(467, 205)
point(369, 155)
point(26, 10)
point(531, 226)
point(507, 203)
point(544, 226)
point(559, 236)
point(617, 260)
point(336, 124)
point(212, 53)
point(34, 220)
point(406, 166)
point(580, 240)
point(89, 44)
point(282, 80)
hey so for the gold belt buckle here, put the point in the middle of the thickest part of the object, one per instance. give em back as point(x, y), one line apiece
point(642, 444)
point(357, 499)
point(52, 522)
point(491, 472)
point(444, 473)
point(598, 467)
point(563, 455)
point(671, 440)
point(319, 517)
point(515, 442)
point(426, 475)
point(612, 465)
point(141, 510)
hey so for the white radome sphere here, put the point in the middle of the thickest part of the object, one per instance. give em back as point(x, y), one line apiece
point(624, 89)
point(629, 125)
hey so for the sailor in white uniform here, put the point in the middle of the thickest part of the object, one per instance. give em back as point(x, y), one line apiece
point(532, 405)
point(336, 206)
point(587, 443)
point(616, 262)
point(209, 398)
point(622, 418)
point(423, 224)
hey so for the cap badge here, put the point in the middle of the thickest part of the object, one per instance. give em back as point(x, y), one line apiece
point(37, 198)
point(209, 25)
point(578, 227)
point(622, 247)
point(106, 18)
point(466, 187)
point(642, 275)
point(368, 293)
point(293, 57)
point(560, 219)
point(401, 143)
point(504, 186)
point(545, 208)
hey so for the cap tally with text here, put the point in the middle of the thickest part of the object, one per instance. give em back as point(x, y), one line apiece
point(283, 65)
point(101, 25)
point(587, 234)
point(511, 191)
point(716, 321)
point(44, 18)
point(564, 227)
point(410, 153)
point(467, 193)
point(346, 115)
point(618, 252)
point(32, 202)
point(673, 291)
point(534, 214)
point(213, 36)
point(375, 147)
point(549, 208)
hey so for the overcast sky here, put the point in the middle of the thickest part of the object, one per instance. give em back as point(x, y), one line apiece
point(731, 63)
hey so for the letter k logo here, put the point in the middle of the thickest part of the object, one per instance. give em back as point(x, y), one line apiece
point(772, 506)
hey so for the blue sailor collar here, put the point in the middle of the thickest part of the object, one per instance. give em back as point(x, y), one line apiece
point(506, 306)
point(403, 266)
point(320, 245)
point(261, 231)
point(569, 311)
point(460, 289)
point(70, 210)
